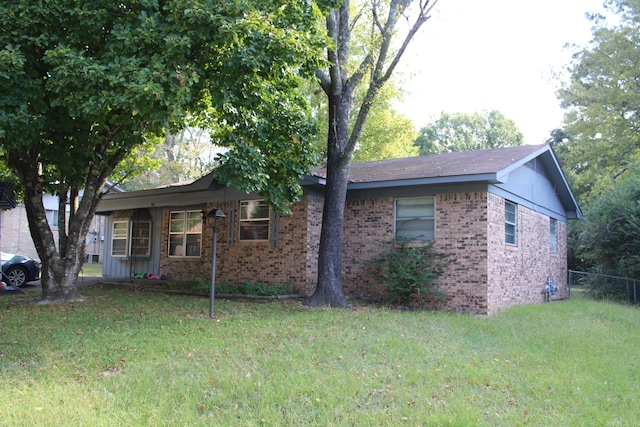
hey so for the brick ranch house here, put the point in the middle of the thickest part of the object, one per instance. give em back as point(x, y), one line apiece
point(500, 213)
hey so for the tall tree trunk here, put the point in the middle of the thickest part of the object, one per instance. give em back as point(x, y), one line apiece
point(61, 265)
point(329, 291)
point(329, 288)
point(59, 279)
point(378, 64)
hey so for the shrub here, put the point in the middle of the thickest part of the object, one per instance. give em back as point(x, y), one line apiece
point(405, 270)
point(200, 284)
point(609, 238)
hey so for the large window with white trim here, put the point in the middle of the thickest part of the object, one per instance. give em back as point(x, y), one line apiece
point(185, 233)
point(119, 238)
point(131, 238)
point(415, 219)
point(510, 223)
point(255, 218)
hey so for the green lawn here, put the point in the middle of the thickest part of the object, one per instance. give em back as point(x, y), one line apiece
point(91, 270)
point(126, 358)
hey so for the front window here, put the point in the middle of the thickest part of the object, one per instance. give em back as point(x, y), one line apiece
point(415, 219)
point(131, 238)
point(553, 237)
point(185, 234)
point(119, 238)
point(141, 238)
point(254, 220)
point(510, 223)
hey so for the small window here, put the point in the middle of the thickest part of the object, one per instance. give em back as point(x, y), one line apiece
point(553, 236)
point(119, 238)
point(415, 219)
point(185, 233)
point(510, 223)
point(254, 220)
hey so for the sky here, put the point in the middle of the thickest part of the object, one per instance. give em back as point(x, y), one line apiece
point(506, 55)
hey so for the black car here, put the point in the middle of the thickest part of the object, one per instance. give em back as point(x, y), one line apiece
point(19, 269)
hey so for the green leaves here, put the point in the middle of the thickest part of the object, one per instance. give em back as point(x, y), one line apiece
point(610, 235)
point(386, 135)
point(92, 80)
point(85, 83)
point(407, 270)
point(460, 132)
point(602, 100)
point(269, 133)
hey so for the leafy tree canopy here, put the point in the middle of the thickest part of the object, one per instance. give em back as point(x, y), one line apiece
point(462, 132)
point(609, 237)
point(98, 77)
point(602, 99)
point(84, 83)
point(387, 134)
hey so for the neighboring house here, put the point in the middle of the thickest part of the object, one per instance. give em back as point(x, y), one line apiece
point(15, 236)
point(501, 214)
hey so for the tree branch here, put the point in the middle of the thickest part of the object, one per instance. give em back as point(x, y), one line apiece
point(379, 75)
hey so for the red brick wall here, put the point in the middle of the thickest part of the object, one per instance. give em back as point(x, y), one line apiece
point(517, 274)
point(287, 260)
point(480, 279)
point(182, 268)
point(368, 231)
point(461, 232)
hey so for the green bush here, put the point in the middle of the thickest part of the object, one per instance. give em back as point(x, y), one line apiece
point(609, 236)
point(405, 270)
point(200, 284)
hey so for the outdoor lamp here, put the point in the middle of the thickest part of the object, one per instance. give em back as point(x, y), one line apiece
point(214, 213)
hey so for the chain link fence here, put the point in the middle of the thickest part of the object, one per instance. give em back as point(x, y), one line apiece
point(604, 287)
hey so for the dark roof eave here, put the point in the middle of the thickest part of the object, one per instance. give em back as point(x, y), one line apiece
point(312, 180)
point(490, 178)
point(152, 200)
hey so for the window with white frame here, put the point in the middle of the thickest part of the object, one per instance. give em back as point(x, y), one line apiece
point(185, 233)
point(119, 238)
point(415, 219)
point(510, 223)
point(553, 236)
point(131, 238)
point(255, 218)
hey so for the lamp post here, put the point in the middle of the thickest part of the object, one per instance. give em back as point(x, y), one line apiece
point(214, 213)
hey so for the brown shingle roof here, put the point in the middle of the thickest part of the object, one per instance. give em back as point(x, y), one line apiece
point(461, 163)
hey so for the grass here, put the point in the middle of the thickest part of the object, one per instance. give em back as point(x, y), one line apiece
point(91, 270)
point(126, 358)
